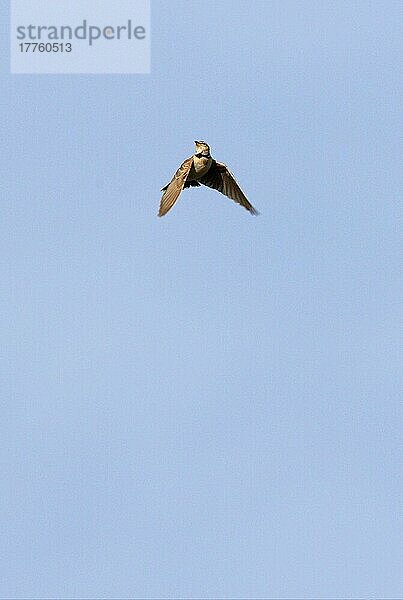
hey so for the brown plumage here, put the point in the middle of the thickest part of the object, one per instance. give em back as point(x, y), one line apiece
point(174, 188)
point(201, 168)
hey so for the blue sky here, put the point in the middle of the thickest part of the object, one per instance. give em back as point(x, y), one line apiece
point(206, 405)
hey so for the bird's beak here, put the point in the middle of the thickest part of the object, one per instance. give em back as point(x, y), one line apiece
point(196, 142)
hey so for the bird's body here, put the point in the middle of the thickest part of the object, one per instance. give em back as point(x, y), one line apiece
point(201, 168)
point(201, 164)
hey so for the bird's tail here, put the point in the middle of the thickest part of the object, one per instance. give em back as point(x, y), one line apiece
point(192, 183)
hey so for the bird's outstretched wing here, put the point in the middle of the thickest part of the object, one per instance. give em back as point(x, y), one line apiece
point(220, 178)
point(174, 187)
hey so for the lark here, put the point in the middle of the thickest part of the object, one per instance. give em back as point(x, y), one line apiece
point(201, 168)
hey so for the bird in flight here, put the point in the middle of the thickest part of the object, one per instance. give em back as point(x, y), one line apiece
point(201, 168)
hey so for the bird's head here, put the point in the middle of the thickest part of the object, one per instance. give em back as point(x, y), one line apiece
point(202, 148)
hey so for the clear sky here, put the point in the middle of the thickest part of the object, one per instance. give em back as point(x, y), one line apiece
point(205, 405)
